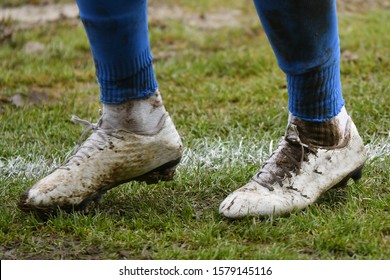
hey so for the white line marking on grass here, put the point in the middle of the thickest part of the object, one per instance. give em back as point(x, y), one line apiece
point(217, 153)
point(378, 149)
point(26, 168)
point(210, 154)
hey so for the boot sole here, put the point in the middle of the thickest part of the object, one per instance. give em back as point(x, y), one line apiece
point(165, 172)
point(355, 175)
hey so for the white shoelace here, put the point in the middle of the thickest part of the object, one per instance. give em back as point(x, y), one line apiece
point(82, 150)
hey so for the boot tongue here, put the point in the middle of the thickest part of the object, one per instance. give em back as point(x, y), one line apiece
point(323, 134)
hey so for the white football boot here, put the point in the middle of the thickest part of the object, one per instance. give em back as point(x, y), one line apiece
point(110, 156)
point(301, 169)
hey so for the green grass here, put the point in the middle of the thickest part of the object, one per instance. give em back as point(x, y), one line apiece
point(228, 100)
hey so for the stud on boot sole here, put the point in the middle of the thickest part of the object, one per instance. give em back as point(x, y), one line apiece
point(356, 175)
point(163, 173)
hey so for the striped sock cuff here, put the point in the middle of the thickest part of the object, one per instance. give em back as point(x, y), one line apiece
point(316, 95)
point(126, 80)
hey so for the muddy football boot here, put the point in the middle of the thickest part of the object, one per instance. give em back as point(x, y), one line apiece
point(300, 170)
point(107, 158)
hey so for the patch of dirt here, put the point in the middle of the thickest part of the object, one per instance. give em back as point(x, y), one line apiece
point(33, 47)
point(52, 247)
point(214, 20)
point(359, 6)
point(349, 56)
point(5, 32)
point(35, 97)
point(35, 14)
point(39, 14)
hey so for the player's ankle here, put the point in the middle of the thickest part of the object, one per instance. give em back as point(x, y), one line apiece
point(136, 115)
point(328, 133)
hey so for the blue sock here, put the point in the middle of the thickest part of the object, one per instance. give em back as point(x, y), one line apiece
point(304, 37)
point(118, 34)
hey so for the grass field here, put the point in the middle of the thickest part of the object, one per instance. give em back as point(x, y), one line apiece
point(221, 85)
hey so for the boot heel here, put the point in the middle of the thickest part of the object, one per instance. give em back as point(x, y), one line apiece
point(358, 173)
point(342, 183)
point(162, 173)
point(355, 175)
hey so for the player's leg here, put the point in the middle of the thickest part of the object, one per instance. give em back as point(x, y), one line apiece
point(135, 138)
point(321, 147)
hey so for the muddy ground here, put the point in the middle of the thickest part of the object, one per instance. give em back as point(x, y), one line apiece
point(35, 14)
point(27, 16)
